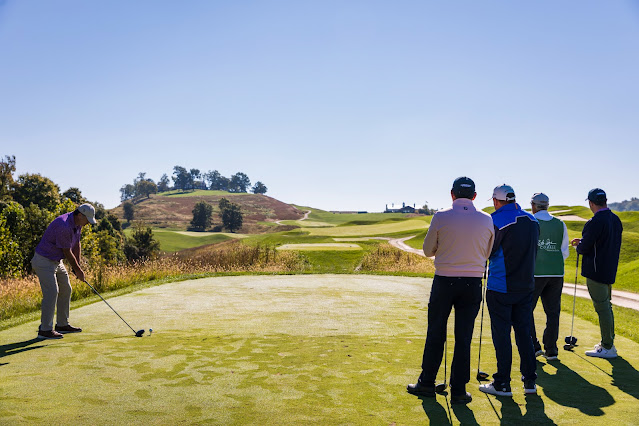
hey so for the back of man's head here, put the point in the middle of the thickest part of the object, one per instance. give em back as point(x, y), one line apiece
point(598, 197)
point(505, 194)
point(464, 187)
point(540, 201)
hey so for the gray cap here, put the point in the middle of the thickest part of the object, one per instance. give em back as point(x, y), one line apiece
point(504, 193)
point(89, 211)
point(540, 199)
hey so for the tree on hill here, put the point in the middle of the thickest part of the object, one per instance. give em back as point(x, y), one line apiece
point(231, 215)
point(212, 179)
point(181, 178)
point(129, 211)
point(145, 188)
point(202, 213)
point(626, 205)
point(36, 189)
point(127, 192)
point(259, 188)
point(7, 168)
point(239, 183)
point(164, 183)
point(223, 204)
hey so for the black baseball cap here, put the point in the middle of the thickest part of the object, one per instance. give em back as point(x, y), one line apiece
point(464, 187)
point(597, 196)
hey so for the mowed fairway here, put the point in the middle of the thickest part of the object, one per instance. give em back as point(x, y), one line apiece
point(322, 349)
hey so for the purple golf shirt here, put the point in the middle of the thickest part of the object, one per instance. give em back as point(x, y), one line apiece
point(60, 234)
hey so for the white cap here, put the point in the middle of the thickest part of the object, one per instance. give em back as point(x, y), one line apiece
point(89, 211)
point(504, 193)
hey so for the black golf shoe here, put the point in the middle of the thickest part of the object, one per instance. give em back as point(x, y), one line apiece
point(49, 334)
point(461, 399)
point(420, 389)
point(64, 329)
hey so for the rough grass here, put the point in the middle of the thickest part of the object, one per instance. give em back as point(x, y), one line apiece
point(19, 297)
point(286, 350)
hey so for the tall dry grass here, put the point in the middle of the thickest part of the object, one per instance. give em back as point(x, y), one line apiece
point(387, 258)
point(20, 296)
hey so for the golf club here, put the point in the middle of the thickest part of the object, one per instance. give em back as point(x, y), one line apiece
point(138, 333)
point(440, 388)
point(481, 375)
point(571, 341)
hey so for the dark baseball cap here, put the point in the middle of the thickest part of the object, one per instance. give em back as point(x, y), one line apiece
point(464, 187)
point(597, 196)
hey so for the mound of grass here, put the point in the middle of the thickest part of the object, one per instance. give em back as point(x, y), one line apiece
point(341, 218)
point(172, 241)
point(370, 230)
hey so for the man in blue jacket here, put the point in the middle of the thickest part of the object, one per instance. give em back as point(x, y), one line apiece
point(511, 283)
point(600, 244)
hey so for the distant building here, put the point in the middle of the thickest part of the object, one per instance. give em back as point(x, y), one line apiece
point(403, 209)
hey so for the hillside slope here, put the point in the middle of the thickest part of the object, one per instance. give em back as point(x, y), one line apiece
point(174, 210)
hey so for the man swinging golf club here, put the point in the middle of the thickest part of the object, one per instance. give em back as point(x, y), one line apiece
point(460, 238)
point(552, 251)
point(61, 240)
point(510, 287)
point(600, 245)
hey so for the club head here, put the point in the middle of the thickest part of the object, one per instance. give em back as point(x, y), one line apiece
point(568, 347)
point(139, 333)
point(440, 388)
point(571, 340)
point(482, 376)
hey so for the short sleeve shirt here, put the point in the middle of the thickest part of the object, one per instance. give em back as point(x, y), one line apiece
point(60, 234)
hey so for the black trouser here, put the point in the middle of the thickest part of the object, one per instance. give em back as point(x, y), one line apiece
point(511, 310)
point(463, 293)
point(549, 289)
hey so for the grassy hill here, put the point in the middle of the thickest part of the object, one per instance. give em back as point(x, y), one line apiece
point(173, 210)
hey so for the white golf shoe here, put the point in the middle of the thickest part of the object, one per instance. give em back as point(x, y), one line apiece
point(600, 352)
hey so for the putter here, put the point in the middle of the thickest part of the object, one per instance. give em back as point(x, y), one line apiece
point(440, 388)
point(571, 341)
point(138, 333)
point(481, 375)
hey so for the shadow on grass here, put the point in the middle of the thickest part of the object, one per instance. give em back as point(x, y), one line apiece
point(569, 389)
point(436, 413)
point(625, 377)
point(15, 348)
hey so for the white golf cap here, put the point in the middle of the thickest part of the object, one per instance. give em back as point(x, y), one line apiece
point(504, 193)
point(89, 211)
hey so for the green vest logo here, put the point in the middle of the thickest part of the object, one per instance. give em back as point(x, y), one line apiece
point(547, 245)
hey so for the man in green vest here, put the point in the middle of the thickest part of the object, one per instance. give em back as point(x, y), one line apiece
point(552, 251)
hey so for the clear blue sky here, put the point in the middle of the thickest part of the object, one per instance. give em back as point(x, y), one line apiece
point(340, 105)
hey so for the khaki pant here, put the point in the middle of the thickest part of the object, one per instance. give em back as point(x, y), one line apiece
point(56, 291)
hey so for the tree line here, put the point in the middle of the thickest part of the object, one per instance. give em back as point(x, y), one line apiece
point(631, 205)
point(29, 202)
point(189, 180)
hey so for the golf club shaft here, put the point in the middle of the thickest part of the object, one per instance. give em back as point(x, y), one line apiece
point(574, 298)
point(481, 324)
point(96, 292)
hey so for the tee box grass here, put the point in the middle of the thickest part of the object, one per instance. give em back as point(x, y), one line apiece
point(313, 349)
